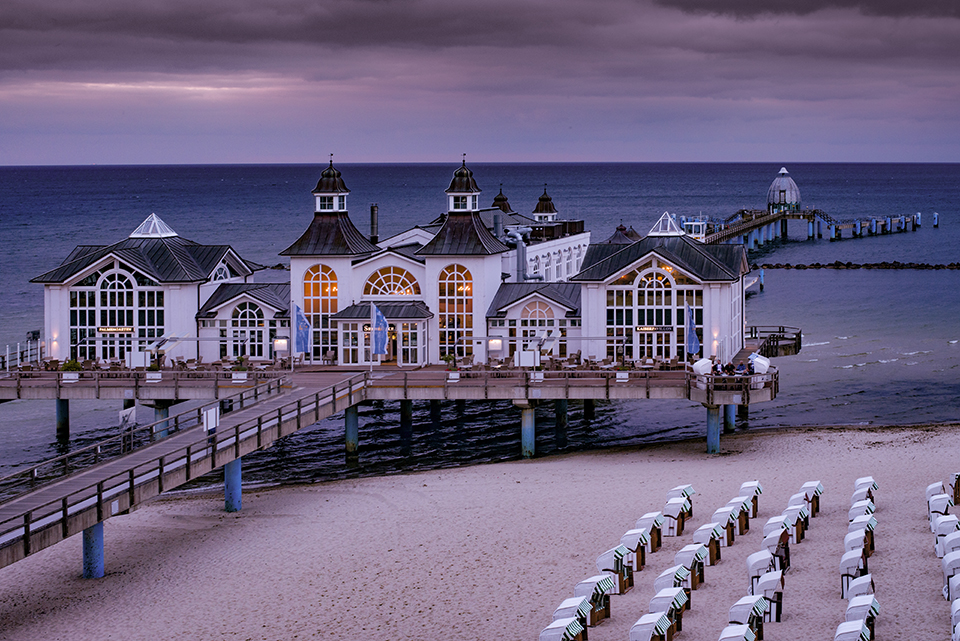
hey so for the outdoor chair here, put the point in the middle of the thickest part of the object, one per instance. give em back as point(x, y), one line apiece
point(577, 607)
point(637, 541)
point(852, 631)
point(749, 611)
point(673, 601)
point(683, 491)
point(853, 564)
point(693, 557)
point(812, 490)
point(860, 586)
point(598, 589)
point(675, 512)
point(863, 608)
point(613, 562)
point(752, 490)
point(710, 535)
point(770, 585)
point(653, 523)
point(655, 626)
point(758, 564)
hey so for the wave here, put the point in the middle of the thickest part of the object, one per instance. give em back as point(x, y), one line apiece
point(824, 343)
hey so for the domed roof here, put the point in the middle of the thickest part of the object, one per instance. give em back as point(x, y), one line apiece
point(463, 182)
point(500, 202)
point(545, 204)
point(783, 191)
point(330, 182)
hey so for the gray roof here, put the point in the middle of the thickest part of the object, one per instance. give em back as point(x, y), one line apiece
point(783, 183)
point(566, 294)
point(276, 295)
point(331, 234)
point(391, 310)
point(703, 262)
point(169, 259)
point(463, 234)
point(331, 182)
point(407, 251)
point(463, 182)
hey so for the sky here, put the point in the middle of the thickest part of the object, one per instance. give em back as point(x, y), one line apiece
point(291, 81)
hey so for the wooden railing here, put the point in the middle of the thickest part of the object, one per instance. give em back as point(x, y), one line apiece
point(776, 340)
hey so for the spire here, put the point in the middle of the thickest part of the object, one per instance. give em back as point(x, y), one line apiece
point(500, 202)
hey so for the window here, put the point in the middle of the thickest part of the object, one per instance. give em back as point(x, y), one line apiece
point(247, 333)
point(459, 202)
point(341, 202)
point(324, 203)
point(455, 310)
point(319, 303)
point(391, 281)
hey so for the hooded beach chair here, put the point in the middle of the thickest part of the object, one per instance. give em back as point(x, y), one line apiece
point(675, 513)
point(758, 564)
point(770, 586)
point(598, 589)
point(863, 608)
point(693, 557)
point(868, 523)
point(812, 490)
point(637, 541)
point(673, 601)
point(652, 522)
point(954, 613)
point(778, 544)
point(796, 516)
point(737, 633)
point(614, 562)
point(685, 492)
point(752, 490)
point(577, 607)
point(853, 564)
point(860, 508)
point(728, 518)
point(867, 485)
point(860, 586)
point(952, 588)
point(710, 535)
point(564, 630)
point(676, 576)
point(955, 487)
point(951, 568)
point(949, 543)
point(852, 631)
point(856, 539)
point(797, 499)
point(934, 489)
point(942, 526)
point(743, 507)
point(655, 626)
point(938, 505)
point(749, 611)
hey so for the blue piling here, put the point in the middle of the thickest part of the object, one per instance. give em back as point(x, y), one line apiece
point(528, 431)
point(916, 221)
point(232, 486)
point(809, 230)
point(93, 552)
point(160, 412)
point(761, 280)
point(729, 418)
point(936, 219)
point(713, 429)
point(830, 232)
point(351, 421)
point(859, 229)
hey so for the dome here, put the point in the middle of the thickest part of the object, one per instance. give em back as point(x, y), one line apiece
point(545, 204)
point(463, 182)
point(500, 202)
point(783, 193)
point(331, 182)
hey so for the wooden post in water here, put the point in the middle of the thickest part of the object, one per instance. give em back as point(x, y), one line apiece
point(406, 426)
point(560, 430)
point(528, 430)
point(713, 429)
point(351, 421)
point(435, 412)
point(589, 409)
point(63, 419)
point(93, 552)
point(233, 486)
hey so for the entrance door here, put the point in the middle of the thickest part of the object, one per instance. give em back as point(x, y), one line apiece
point(655, 345)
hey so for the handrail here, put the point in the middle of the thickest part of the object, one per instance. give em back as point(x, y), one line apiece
point(56, 512)
point(126, 441)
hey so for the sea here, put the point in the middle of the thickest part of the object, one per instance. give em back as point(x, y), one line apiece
point(880, 346)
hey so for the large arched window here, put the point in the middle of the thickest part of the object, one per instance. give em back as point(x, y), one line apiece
point(319, 302)
point(391, 281)
point(655, 313)
point(455, 309)
point(247, 327)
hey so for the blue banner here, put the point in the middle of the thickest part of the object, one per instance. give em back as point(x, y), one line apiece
point(693, 342)
point(302, 343)
point(378, 324)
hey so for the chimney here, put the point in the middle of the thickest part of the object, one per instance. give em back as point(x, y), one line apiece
point(374, 224)
point(498, 225)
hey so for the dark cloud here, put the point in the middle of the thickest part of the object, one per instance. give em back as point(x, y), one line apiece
point(752, 8)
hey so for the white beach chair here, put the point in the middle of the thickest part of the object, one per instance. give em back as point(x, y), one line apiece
point(942, 526)
point(866, 482)
point(770, 586)
point(868, 523)
point(737, 633)
point(598, 589)
point(863, 608)
point(812, 490)
point(862, 494)
point(938, 505)
point(676, 576)
point(860, 508)
point(954, 613)
point(752, 490)
point(797, 499)
point(675, 513)
point(749, 611)
point(577, 607)
point(652, 522)
point(856, 539)
point(673, 601)
point(952, 588)
point(638, 542)
point(950, 564)
point(563, 630)
point(693, 557)
point(853, 564)
point(728, 519)
point(613, 561)
point(743, 507)
point(711, 535)
point(860, 586)
point(852, 631)
point(778, 544)
point(933, 489)
point(758, 564)
point(949, 543)
point(684, 492)
point(797, 517)
point(655, 626)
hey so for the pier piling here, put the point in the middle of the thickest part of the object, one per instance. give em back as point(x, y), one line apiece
point(713, 429)
point(351, 421)
point(93, 567)
point(63, 419)
point(560, 429)
point(528, 430)
point(233, 486)
point(729, 418)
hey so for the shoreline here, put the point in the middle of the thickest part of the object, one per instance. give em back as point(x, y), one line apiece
point(490, 550)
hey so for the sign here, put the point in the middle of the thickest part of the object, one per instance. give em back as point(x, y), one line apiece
point(652, 328)
point(114, 330)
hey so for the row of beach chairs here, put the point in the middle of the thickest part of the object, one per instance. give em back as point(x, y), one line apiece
point(856, 582)
point(946, 530)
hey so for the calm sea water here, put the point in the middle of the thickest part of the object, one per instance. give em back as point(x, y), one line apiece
point(879, 346)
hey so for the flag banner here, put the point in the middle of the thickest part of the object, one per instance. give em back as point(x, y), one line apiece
point(303, 328)
point(693, 343)
point(378, 328)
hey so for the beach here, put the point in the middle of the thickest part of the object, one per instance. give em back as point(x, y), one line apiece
point(489, 551)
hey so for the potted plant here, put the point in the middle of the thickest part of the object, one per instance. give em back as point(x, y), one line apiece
point(449, 359)
point(71, 371)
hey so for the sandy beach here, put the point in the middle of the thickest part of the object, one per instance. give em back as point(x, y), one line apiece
point(489, 551)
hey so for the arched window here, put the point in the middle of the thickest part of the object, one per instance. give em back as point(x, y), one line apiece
point(319, 302)
point(537, 311)
point(655, 314)
point(391, 281)
point(455, 309)
point(222, 273)
point(247, 334)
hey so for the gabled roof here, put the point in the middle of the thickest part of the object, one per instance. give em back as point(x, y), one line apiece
point(565, 294)
point(165, 259)
point(408, 251)
point(275, 295)
point(703, 262)
point(393, 310)
point(331, 234)
point(606, 248)
point(463, 234)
